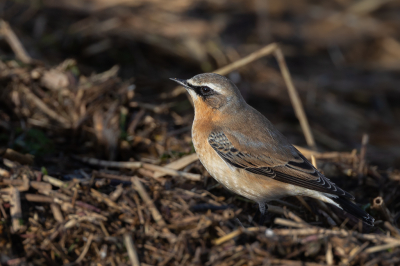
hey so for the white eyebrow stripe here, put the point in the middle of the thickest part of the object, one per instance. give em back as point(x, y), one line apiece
point(210, 85)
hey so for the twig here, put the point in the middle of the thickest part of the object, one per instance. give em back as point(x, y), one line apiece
point(44, 108)
point(393, 230)
point(356, 251)
point(136, 199)
point(293, 216)
point(103, 163)
point(38, 198)
point(14, 42)
point(123, 178)
point(295, 99)
point(289, 223)
point(329, 254)
point(131, 250)
point(266, 50)
point(150, 204)
point(116, 193)
point(382, 247)
point(314, 161)
point(147, 200)
point(305, 204)
point(172, 172)
point(132, 126)
point(85, 249)
point(325, 156)
point(236, 233)
point(57, 212)
point(104, 198)
point(178, 164)
point(35, 184)
point(15, 209)
point(54, 181)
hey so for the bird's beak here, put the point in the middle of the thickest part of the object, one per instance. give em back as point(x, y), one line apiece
point(182, 82)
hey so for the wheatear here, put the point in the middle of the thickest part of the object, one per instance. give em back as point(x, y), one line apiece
point(244, 152)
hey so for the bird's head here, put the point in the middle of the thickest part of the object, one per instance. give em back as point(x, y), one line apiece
point(212, 91)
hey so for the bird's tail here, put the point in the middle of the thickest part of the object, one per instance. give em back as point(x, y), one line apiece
point(354, 210)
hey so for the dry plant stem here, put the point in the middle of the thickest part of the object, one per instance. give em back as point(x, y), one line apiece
point(54, 181)
point(382, 247)
point(289, 223)
point(178, 164)
point(154, 211)
point(14, 42)
point(85, 249)
point(356, 251)
point(44, 108)
point(329, 254)
point(266, 50)
point(137, 202)
point(379, 205)
point(123, 178)
point(103, 163)
point(236, 233)
point(295, 99)
point(34, 184)
point(172, 172)
point(15, 209)
point(57, 212)
point(38, 198)
point(325, 156)
point(305, 204)
point(293, 216)
point(116, 193)
point(128, 241)
point(393, 230)
point(314, 161)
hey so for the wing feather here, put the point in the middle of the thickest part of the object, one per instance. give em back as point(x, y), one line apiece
point(296, 170)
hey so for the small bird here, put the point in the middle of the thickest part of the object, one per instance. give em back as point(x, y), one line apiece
point(244, 152)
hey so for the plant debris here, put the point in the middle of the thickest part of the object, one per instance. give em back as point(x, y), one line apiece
point(99, 169)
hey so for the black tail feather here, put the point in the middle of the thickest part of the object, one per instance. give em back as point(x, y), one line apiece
point(354, 210)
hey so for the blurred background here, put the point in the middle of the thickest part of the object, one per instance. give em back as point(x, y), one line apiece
point(90, 78)
point(344, 57)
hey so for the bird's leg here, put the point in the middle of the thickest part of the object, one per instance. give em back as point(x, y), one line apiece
point(263, 212)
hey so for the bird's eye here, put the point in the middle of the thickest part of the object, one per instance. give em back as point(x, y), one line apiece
point(205, 90)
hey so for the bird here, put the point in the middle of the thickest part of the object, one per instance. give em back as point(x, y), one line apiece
point(244, 152)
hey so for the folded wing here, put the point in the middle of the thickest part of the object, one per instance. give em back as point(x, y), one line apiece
point(288, 166)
